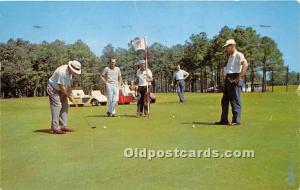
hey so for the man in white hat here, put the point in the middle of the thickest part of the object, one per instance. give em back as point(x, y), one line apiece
point(59, 91)
point(144, 78)
point(235, 70)
point(112, 77)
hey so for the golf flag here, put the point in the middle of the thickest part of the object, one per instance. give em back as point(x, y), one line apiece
point(139, 44)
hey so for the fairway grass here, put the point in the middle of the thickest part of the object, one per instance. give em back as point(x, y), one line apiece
point(90, 158)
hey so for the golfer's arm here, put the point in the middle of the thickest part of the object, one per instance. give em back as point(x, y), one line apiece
point(63, 89)
point(186, 75)
point(149, 79)
point(66, 91)
point(136, 81)
point(244, 69)
point(69, 90)
point(120, 79)
point(173, 79)
point(102, 79)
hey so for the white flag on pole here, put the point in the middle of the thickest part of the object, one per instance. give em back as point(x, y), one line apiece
point(139, 44)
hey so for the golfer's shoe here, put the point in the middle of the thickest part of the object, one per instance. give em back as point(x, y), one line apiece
point(108, 114)
point(139, 114)
point(234, 124)
point(58, 131)
point(221, 123)
point(66, 129)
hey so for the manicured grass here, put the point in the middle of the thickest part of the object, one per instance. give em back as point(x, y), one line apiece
point(93, 158)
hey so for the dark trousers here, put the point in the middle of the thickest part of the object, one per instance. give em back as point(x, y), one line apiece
point(180, 90)
point(142, 104)
point(232, 95)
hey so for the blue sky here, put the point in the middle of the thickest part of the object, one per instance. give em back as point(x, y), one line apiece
point(100, 23)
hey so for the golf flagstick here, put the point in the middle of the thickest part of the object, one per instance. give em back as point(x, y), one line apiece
point(146, 61)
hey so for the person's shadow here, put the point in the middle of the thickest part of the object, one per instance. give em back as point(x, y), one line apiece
point(49, 131)
point(124, 115)
point(199, 123)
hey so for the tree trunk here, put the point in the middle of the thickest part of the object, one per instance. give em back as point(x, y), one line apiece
point(272, 79)
point(34, 91)
point(252, 77)
point(166, 85)
point(264, 76)
point(219, 78)
point(161, 82)
point(205, 80)
point(201, 81)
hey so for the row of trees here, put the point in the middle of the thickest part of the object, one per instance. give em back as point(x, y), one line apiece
point(26, 67)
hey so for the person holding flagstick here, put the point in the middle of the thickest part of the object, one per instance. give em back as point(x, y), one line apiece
point(144, 77)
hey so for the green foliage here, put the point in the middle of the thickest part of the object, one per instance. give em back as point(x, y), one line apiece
point(26, 67)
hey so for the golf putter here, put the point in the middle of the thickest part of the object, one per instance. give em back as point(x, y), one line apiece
point(86, 120)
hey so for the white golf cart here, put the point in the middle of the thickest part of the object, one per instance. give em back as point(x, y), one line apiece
point(81, 99)
point(97, 98)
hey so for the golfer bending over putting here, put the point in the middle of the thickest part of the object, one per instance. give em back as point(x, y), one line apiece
point(235, 71)
point(144, 78)
point(59, 90)
point(111, 76)
point(180, 75)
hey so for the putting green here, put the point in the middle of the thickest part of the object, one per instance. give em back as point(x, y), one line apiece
point(90, 158)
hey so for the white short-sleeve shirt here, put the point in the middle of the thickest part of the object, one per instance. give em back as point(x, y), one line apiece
point(235, 62)
point(142, 76)
point(179, 74)
point(60, 76)
point(112, 75)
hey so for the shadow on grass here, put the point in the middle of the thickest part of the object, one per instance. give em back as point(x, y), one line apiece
point(198, 123)
point(170, 102)
point(131, 116)
point(49, 131)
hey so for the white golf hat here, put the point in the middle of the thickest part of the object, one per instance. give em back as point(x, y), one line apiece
point(75, 66)
point(229, 42)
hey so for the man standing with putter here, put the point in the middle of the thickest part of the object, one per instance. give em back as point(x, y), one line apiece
point(59, 91)
point(111, 76)
point(235, 70)
point(180, 75)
